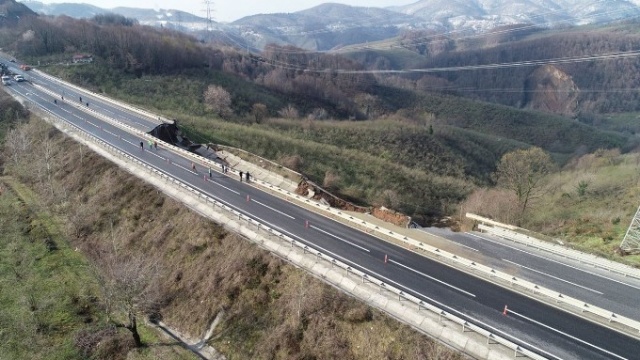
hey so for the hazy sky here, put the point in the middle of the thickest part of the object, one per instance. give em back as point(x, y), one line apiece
point(230, 10)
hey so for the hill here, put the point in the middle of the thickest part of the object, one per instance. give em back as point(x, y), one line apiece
point(11, 12)
point(438, 146)
point(504, 66)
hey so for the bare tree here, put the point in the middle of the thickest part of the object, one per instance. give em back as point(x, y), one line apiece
point(289, 112)
point(523, 172)
point(259, 112)
point(218, 99)
point(18, 141)
point(131, 289)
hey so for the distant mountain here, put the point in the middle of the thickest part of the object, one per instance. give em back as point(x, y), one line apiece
point(331, 26)
point(162, 17)
point(325, 27)
point(482, 15)
point(77, 11)
point(11, 11)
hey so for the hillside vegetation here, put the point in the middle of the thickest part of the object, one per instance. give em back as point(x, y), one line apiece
point(605, 85)
point(587, 205)
point(419, 153)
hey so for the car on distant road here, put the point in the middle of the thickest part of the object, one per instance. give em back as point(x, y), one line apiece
point(12, 60)
point(18, 78)
point(6, 80)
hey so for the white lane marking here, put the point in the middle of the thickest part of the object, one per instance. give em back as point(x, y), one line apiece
point(156, 155)
point(555, 261)
point(184, 168)
point(432, 278)
point(565, 334)
point(553, 277)
point(339, 238)
point(468, 247)
point(230, 189)
point(272, 209)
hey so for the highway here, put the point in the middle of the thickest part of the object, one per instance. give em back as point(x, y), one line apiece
point(536, 326)
point(596, 286)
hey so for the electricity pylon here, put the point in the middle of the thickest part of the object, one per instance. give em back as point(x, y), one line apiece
point(631, 241)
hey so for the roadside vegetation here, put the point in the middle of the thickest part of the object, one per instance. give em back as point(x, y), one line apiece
point(50, 298)
point(588, 204)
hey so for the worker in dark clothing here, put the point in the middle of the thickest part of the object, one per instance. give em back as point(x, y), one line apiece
point(141, 145)
point(55, 101)
point(248, 176)
point(223, 169)
point(210, 174)
point(241, 176)
point(87, 104)
point(80, 98)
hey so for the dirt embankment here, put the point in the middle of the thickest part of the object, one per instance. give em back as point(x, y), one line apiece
point(272, 309)
point(306, 187)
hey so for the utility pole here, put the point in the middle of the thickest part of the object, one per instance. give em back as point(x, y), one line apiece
point(208, 4)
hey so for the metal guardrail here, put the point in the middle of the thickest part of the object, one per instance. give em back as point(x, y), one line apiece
point(562, 251)
point(465, 324)
point(142, 112)
point(631, 326)
point(581, 257)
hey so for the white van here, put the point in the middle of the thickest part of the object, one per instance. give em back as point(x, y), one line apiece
point(6, 80)
point(18, 78)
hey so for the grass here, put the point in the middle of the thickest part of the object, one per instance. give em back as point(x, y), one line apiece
point(45, 297)
point(594, 219)
point(49, 293)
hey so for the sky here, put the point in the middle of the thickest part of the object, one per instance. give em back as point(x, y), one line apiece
point(230, 10)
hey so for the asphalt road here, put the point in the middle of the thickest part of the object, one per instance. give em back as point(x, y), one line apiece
point(534, 325)
point(596, 286)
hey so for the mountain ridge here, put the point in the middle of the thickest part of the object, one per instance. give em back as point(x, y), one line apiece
point(332, 25)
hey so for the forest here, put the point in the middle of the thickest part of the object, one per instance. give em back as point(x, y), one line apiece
point(606, 85)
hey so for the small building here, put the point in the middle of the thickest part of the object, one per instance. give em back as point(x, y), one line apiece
point(82, 59)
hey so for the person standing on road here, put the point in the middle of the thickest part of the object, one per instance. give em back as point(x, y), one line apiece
point(150, 144)
point(223, 169)
point(80, 99)
point(210, 172)
point(248, 176)
point(241, 176)
point(141, 145)
point(155, 144)
point(193, 167)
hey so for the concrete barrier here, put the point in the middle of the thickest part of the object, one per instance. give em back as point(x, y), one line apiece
point(510, 232)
